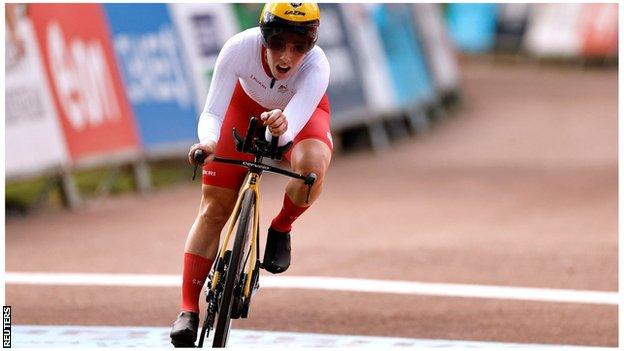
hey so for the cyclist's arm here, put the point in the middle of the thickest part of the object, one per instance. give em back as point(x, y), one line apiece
point(222, 86)
point(311, 87)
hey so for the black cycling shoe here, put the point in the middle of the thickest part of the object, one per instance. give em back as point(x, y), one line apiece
point(277, 252)
point(184, 331)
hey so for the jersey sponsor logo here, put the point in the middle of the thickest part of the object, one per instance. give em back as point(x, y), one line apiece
point(209, 173)
point(282, 88)
point(258, 81)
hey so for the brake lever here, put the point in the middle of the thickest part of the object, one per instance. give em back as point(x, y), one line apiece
point(198, 157)
point(309, 181)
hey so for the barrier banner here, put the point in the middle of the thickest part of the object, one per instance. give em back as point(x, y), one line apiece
point(553, 30)
point(380, 94)
point(203, 28)
point(150, 56)
point(34, 141)
point(86, 86)
point(511, 26)
point(408, 68)
point(599, 25)
point(439, 50)
point(472, 26)
point(345, 90)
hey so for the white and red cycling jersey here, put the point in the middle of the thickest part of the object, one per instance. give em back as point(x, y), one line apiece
point(241, 61)
point(242, 86)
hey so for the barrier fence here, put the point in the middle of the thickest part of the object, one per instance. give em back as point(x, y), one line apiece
point(90, 85)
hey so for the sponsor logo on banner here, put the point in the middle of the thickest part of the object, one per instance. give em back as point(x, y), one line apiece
point(85, 83)
point(153, 68)
point(82, 80)
point(205, 25)
point(203, 28)
point(152, 61)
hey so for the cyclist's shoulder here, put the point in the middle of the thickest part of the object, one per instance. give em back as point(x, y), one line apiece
point(315, 60)
point(249, 37)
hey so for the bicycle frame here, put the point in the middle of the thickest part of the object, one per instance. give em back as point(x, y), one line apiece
point(260, 149)
point(251, 182)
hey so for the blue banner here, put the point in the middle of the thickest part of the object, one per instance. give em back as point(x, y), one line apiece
point(149, 53)
point(408, 67)
point(473, 26)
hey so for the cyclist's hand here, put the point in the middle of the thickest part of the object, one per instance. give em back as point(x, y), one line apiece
point(208, 148)
point(275, 121)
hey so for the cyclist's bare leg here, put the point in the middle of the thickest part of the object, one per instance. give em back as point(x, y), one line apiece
point(215, 208)
point(199, 253)
point(309, 155)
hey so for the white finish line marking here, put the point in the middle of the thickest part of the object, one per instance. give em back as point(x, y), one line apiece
point(336, 284)
point(55, 336)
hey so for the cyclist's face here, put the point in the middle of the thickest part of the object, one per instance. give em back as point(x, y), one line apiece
point(284, 55)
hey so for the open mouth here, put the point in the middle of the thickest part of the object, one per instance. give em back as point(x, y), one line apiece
point(282, 69)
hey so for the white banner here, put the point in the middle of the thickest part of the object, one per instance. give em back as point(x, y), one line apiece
point(553, 30)
point(34, 139)
point(378, 85)
point(204, 28)
point(438, 47)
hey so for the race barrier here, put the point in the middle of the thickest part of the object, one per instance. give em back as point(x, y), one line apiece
point(157, 83)
point(84, 80)
point(119, 84)
point(472, 26)
point(510, 27)
point(34, 141)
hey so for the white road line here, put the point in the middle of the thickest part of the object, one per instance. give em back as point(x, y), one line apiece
point(68, 336)
point(329, 283)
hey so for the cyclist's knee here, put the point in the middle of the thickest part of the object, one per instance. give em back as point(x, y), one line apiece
point(216, 207)
point(312, 157)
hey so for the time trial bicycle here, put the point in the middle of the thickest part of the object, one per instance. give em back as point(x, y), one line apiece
point(234, 277)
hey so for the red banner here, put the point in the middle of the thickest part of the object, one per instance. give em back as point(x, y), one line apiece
point(599, 28)
point(85, 82)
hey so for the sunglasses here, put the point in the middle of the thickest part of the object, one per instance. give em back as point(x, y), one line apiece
point(279, 43)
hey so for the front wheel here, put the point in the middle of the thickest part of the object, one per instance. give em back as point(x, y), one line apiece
point(234, 269)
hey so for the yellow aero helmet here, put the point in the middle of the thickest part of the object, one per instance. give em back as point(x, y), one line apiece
point(299, 18)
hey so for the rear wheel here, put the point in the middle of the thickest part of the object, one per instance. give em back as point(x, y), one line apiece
point(234, 269)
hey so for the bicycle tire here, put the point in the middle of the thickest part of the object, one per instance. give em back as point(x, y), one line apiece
point(246, 214)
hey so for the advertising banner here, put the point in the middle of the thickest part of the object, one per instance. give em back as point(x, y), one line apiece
point(151, 58)
point(34, 141)
point(553, 30)
point(203, 28)
point(439, 50)
point(86, 86)
point(346, 92)
point(379, 89)
point(511, 26)
point(409, 71)
point(599, 25)
point(472, 26)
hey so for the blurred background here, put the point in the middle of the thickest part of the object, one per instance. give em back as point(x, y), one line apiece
point(107, 104)
point(480, 140)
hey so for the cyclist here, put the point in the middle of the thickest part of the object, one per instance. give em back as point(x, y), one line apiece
point(274, 71)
